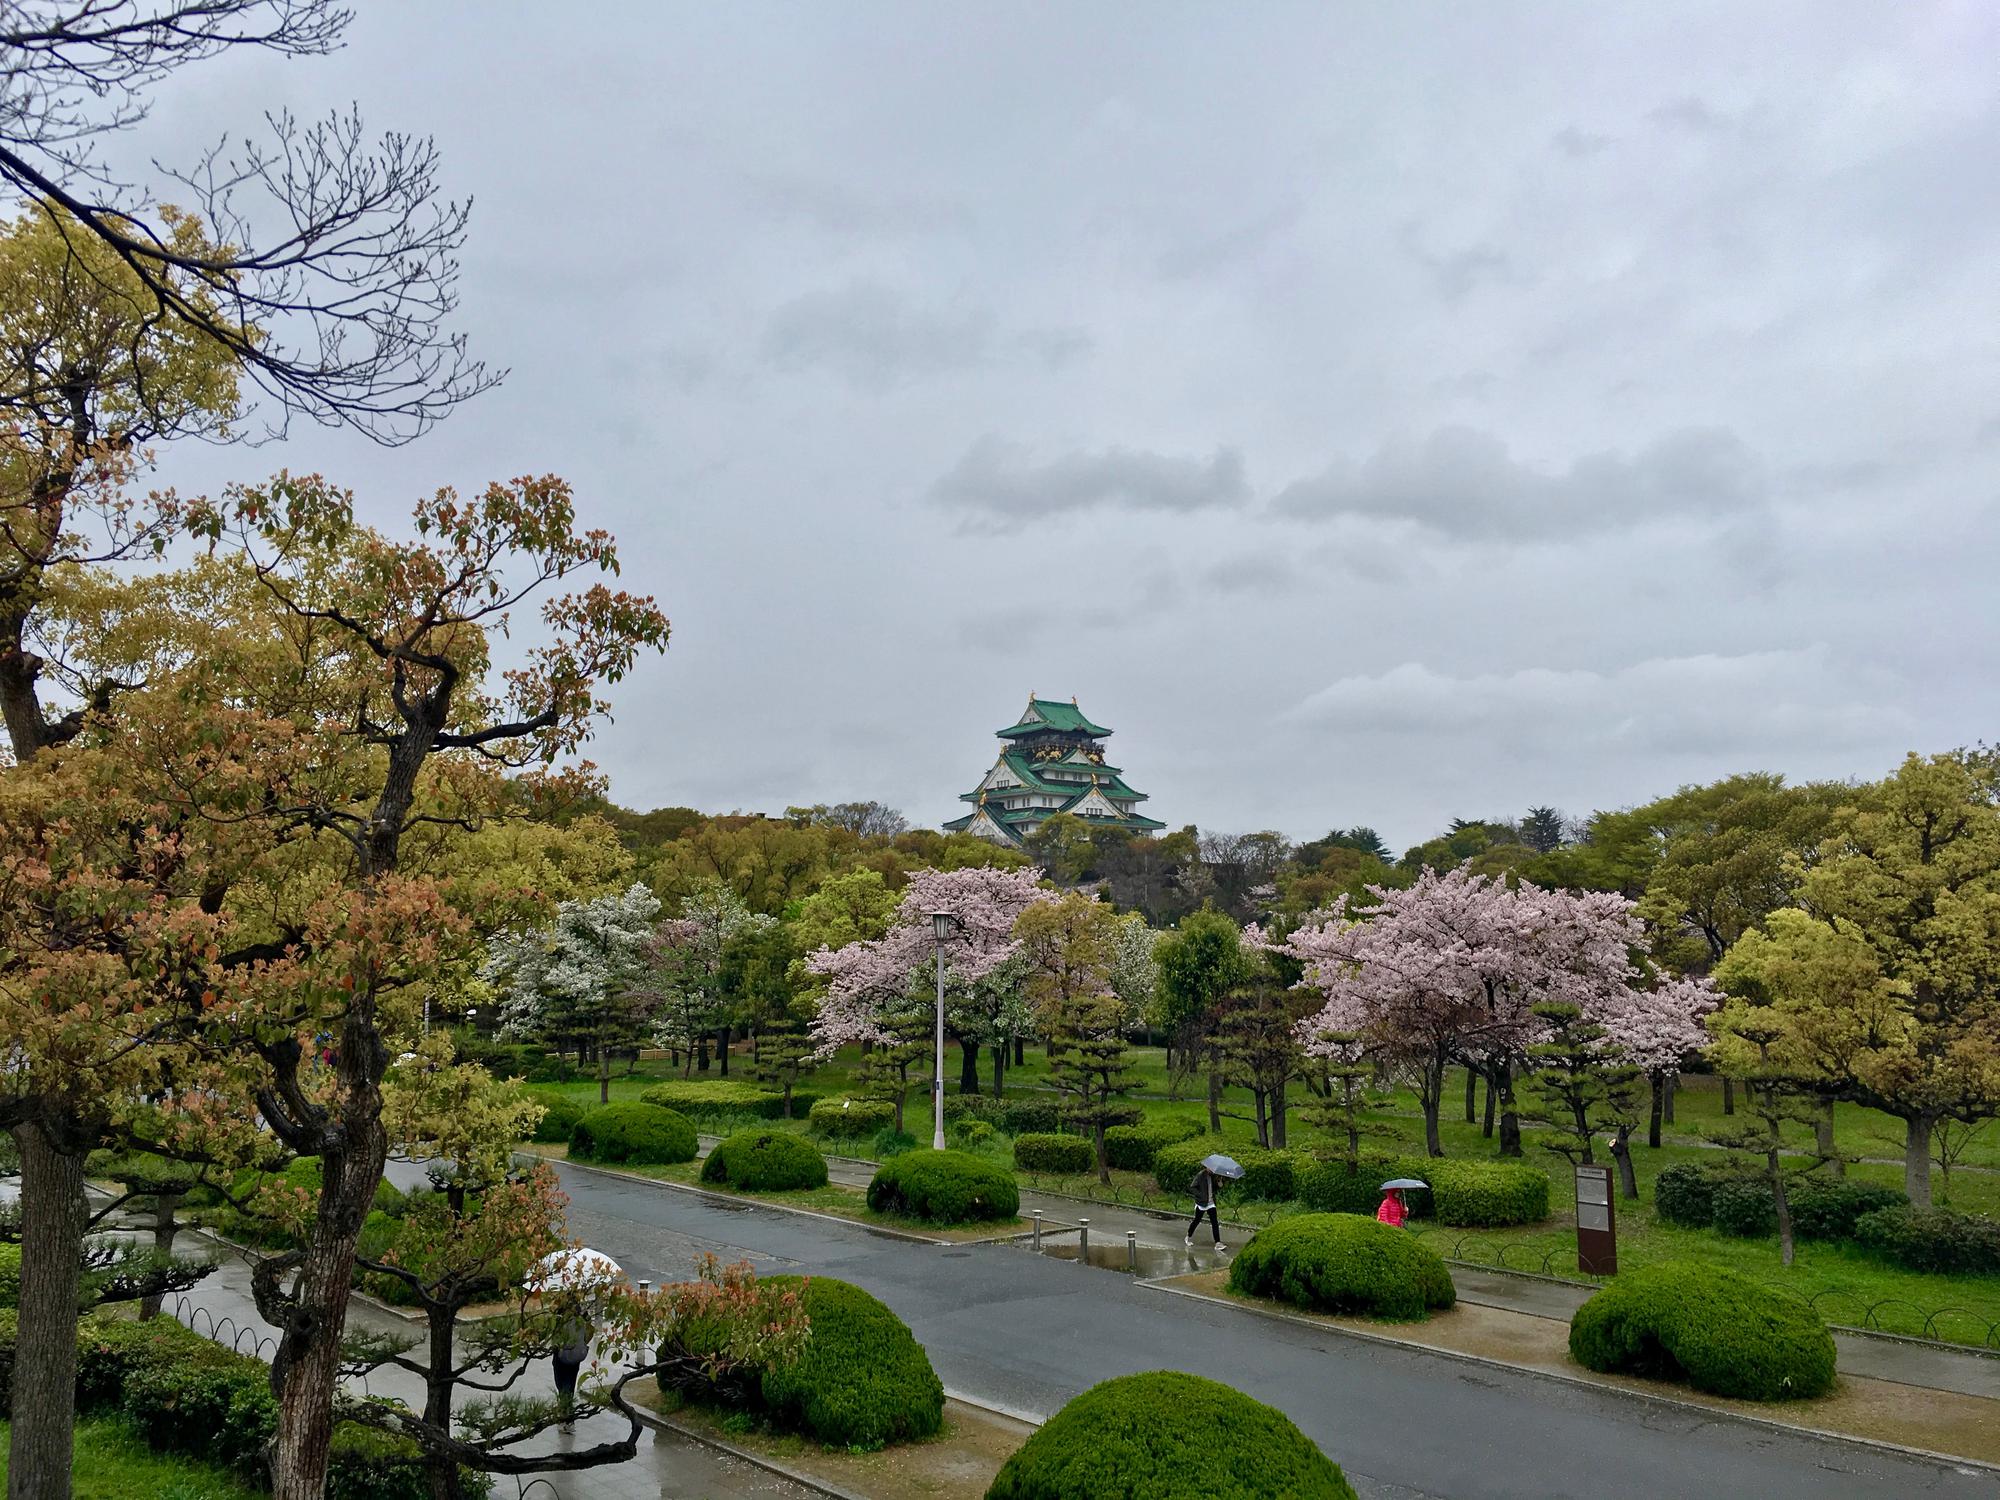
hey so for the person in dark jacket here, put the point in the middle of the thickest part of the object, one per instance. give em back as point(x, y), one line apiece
point(569, 1359)
point(1204, 1187)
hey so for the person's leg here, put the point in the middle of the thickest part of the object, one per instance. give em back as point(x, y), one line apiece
point(1195, 1223)
point(566, 1374)
point(1215, 1226)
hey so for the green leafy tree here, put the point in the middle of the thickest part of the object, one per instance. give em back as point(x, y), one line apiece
point(1091, 1069)
point(1199, 961)
point(1253, 1034)
point(1578, 1081)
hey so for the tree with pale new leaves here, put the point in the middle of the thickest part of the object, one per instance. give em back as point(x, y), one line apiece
point(573, 984)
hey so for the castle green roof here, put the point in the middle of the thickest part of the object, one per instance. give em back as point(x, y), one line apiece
point(1044, 717)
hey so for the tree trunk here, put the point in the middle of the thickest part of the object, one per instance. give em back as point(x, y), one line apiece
point(701, 1054)
point(1215, 1103)
point(1621, 1152)
point(1471, 1095)
point(722, 1049)
point(999, 1061)
point(442, 1472)
point(1773, 1166)
point(1488, 1131)
point(1917, 1160)
point(1020, 1050)
point(603, 1075)
point(53, 1218)
point(307, 1368)
point(1430, 1094)
point(1673, 1088)
point(1103, 1159)
point(1823, 1139)
point(166, 1224)
point(1510, 1121)
point(1728, 1095)
point(1258, 1101)
point(1278, 1110)
point(1658, 1110)
point(968, 1066)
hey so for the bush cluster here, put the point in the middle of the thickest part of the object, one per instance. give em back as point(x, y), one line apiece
point(1131, 1148)
point(559, 1117)
point(1065, 1155)
point(1328, 1187)
point(972, 1133)
point(944, 1187)
point(1718, 1331)
point(185, 1394)
point(1932, 1239)
point(1169, 1436)
point(766, 1161)
point(532, 1063)
point(726, 1098)
point(863, 1379)
point(1343, 1263)
point(850, 1119)
point(10, 1275)
point(642, 1134)
point(1031, 1116)
point(1485, 1194)
point(892, 1142)
point(1266, 1174)
point(1702, 1195)
point(973, 1107)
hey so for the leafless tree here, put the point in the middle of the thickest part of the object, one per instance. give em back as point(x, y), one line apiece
point(335, 271)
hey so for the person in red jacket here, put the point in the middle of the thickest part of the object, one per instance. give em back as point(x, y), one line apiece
point(1392, 1212)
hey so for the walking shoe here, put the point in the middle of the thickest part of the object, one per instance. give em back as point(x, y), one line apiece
point(1190, 1242)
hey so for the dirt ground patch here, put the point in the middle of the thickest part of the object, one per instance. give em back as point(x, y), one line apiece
point(1912, 1416)
point(958, 1464)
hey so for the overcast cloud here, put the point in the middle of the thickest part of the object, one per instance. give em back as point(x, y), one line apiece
point(1376, 414)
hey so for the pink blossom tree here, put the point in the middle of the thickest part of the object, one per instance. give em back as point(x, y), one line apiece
point(1656, 1029)
point(874, 989)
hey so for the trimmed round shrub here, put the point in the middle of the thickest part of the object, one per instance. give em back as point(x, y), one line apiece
point(766, 1161)
point(1344, 1263)
point(973, 1107)
point(559, 1116)
point(1745, 1206)
point(1486, 1194)
point(944, 1187)
point(1684, 1194)
point(1031, 1117)
point(1827, 1208)
point(1167, 1436)
point(1712, 1328)
point(639, 1133)
point(1932, 1239)
point(971, 1132)
point(727, 1098)
point(851, 1119)
point(863, 1380)
point(1065, 1155)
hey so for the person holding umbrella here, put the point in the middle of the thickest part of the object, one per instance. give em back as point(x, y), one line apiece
point(1207, 1184)
point(1392, 1212)
point(576, 1272)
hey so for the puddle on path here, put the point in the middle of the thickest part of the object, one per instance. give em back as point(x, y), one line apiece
point(1145, 1261)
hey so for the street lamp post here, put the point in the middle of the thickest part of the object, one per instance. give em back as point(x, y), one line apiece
point(942, 923)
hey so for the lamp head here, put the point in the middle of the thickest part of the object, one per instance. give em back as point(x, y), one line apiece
point(942, 923)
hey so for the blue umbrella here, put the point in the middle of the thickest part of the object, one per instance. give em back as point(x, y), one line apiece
point(1223, 1166)
point(1405, 1183)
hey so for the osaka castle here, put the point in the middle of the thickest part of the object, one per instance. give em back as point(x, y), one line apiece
point(1051, 761)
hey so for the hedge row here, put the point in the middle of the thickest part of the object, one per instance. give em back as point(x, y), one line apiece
point(765, 1161)
point(862, 1381)
point(1464, 1194)
point(1932, 1239)
point(1702, 1195)
point(1721, 1333)
point(1064, 1155)
point(727, 1097)
point(1168, 1436)
point(638, 1133)
point(185, 1394)
point(1343, 1263)
point(1132, 1148)
point(944, 1187)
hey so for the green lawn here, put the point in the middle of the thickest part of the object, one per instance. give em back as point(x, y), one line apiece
point(112, 1463)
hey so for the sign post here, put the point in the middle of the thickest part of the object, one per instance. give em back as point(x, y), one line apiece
point(1596, 1223)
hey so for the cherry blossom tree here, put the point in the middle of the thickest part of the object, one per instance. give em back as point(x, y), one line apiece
point(1656, 1029)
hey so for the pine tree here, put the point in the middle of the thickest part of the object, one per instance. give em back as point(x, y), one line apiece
point(1091, 1070)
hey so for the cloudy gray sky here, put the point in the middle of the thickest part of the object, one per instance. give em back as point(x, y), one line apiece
point(1375, 413)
